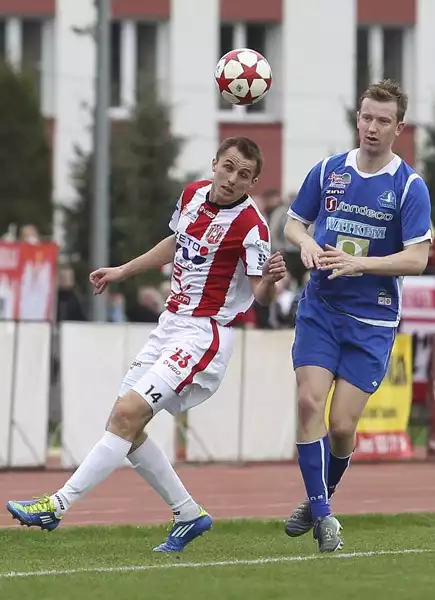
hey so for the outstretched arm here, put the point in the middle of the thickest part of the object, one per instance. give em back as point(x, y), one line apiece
point(157, 257)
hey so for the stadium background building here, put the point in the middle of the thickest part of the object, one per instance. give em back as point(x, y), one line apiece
point(303, 118)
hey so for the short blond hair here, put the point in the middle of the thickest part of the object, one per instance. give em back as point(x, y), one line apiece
point(387, 90)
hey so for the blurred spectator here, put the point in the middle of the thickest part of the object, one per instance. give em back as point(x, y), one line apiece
point(297, 297)
point(165, 289)
point(269, 201)
point(291, 253)
point(281, 310)
point(148, 307)
point(29, 234)
point(116, 308)
point(70, 303)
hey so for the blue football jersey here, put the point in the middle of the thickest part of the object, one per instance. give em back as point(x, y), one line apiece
point(364, 215)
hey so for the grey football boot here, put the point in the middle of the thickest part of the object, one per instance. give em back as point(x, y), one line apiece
point(301, 521)
point(326, 532)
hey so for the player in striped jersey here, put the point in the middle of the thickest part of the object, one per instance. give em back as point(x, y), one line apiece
point(220, 250)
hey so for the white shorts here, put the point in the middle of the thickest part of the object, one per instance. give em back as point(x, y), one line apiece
point(190, 354)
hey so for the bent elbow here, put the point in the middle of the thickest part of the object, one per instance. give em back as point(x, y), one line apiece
point(420, 266)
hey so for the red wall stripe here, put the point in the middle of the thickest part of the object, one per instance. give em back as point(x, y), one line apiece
point(247, 11)
point(387, 12)
point(141, 9)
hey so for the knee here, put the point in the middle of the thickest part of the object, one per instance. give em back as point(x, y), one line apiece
point(342, 429)
point(139, 439)
point(129, 416)
point(310, 402)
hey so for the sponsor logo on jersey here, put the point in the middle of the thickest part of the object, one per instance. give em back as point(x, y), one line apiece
point(263, 246)
point(384, 298)
point(191, 250)
point(339, 180)
point(335, 191)
point(261, 260)
point(188, 213)
point(387, 200)
point(214, 234)
point(208, 213)
point(332, 205)
point(355, 228)
point(180, 299)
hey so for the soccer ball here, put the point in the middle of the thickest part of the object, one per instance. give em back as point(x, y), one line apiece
point(243, 76)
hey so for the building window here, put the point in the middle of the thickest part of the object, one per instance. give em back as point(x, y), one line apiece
point(31, 53)
point(2, 40)
point(380, 54)
point(243, 35)
point(115, 64)
point(146, 61)
point(362, 62)
point(393, 54)
point(133, 54)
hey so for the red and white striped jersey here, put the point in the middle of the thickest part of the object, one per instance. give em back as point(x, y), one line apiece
point(217, 249)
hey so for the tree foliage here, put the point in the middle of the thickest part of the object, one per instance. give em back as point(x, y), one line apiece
point(25, 156)
point(143, 193)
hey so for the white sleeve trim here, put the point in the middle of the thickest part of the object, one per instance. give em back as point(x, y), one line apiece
point(296, 217)
point(322, 171)
point(422, 238)
point(411, 178)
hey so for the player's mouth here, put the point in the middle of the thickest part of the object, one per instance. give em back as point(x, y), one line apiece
point(227, 189)
point(372, 139)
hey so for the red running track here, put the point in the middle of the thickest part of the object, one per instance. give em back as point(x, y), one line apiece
point(256, 491)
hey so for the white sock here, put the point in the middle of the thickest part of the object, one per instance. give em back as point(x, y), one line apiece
point(102, 460)
point(152, 464)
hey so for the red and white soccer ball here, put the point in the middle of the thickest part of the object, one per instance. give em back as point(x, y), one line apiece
point(243, 76)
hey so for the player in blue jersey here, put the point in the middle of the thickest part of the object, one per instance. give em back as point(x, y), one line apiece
point(371, 216)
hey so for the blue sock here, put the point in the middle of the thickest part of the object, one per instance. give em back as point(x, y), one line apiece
point(337, 467)
point(313, 462)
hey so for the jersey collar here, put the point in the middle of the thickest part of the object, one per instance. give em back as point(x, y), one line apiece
point(222, 206)
point(390, 168)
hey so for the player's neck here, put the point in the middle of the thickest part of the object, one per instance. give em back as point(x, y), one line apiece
point(213, 198)
point(372, 164)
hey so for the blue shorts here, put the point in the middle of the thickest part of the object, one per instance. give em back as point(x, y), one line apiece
point(355, 351)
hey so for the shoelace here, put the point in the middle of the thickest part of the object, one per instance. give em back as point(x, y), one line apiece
point(40, 505)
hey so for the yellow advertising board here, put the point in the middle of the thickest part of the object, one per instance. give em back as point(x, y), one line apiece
point(383, 427)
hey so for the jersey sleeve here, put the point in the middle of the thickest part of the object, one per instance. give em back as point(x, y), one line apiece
point(416, 212)
point(256, 249)
point(175, 216)
point(306, 206)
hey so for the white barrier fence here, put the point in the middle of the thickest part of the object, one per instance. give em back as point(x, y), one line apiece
point(24, 393)
point(251, 417)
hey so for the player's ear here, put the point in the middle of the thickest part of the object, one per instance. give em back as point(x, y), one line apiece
point(254, 182)
point(399, 128)
point(213, 165)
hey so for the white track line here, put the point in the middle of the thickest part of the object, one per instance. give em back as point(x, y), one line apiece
point(199, 565)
